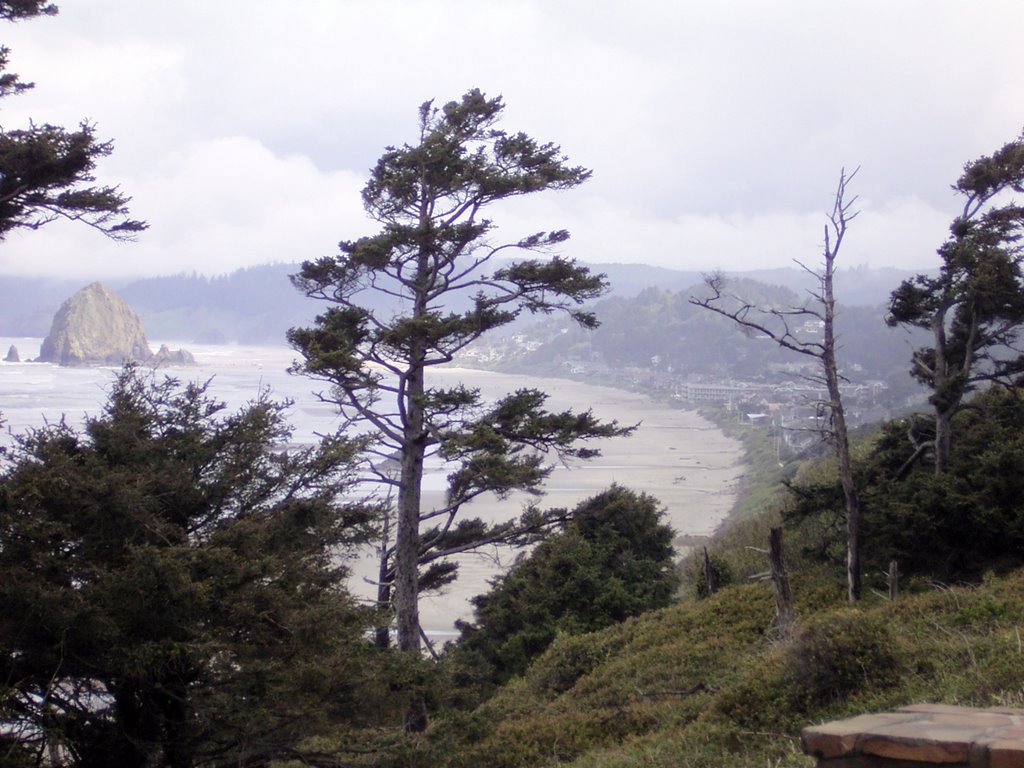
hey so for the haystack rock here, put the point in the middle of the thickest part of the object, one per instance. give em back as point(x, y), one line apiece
point(97, 327)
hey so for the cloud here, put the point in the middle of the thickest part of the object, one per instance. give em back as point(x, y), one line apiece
point(714, 130)
point(903, 232)
point(214, 206)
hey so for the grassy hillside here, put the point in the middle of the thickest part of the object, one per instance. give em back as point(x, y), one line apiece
point(713, 683)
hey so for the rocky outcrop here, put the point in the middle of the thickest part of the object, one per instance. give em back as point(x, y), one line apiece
point(97, 327)
point(12, 355)
point(167, 356)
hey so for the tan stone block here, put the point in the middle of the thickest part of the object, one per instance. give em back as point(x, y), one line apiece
point(943, 709)
point(839, 737)
point(972, 719)
point(1009, 733)
point(1016, 718)
point(936, 734)
point(921, 741)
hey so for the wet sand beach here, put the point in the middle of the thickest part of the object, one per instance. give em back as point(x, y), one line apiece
point(677, 456)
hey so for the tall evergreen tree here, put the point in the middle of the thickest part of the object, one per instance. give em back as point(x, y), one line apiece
point(46, 171)
point(170, 588)
point(974, 307)
point(432, 261)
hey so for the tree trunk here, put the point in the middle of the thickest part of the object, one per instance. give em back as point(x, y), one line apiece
point(850, 496)
point(943, 439)
point(407, 545)
point(838, 416)
point(780, 581)
point(407, 537)
point(710, 577)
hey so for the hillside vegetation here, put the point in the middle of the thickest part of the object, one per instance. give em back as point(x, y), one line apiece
point(660, 329)
point(714, 681)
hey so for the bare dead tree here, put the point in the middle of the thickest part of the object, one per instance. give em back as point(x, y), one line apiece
point(779, 325)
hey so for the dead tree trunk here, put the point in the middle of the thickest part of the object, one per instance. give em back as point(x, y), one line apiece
point(894, 580)
point(782, 327)
point(780, 581)
point(710, 577)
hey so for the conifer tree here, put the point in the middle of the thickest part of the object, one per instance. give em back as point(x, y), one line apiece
point(612, 559)
point(974, 307)
point(432, 278)
point(170, 587)
point(46, 171)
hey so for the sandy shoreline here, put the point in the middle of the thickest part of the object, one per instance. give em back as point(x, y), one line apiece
point(677, 456)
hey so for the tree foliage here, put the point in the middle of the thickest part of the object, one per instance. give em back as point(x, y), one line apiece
point(435, 259)
point(46, 171)
point(955, 525)
point(974, 308)
point(170, 586)
point(612, 559)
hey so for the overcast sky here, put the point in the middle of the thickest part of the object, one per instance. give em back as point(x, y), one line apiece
point(716, 130)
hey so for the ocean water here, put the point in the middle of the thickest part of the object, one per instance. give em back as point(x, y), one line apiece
point(32, 394)
point(676, 456)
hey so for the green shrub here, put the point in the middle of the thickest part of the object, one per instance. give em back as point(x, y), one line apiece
point(987, 611)
point(566, 660)
point(613, 560)
point(827, 661)
point(833, 657)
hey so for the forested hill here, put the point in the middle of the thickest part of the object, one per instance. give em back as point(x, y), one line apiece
point(855, 286)
point(660, 329)
point(255, 305)
point(258, 304)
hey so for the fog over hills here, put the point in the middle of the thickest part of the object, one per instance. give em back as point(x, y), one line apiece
point(257, 305)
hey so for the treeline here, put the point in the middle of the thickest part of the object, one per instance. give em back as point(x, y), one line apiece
point(663, 330)
point(257, 305)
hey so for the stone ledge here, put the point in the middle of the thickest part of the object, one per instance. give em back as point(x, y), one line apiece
point(921, 735)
